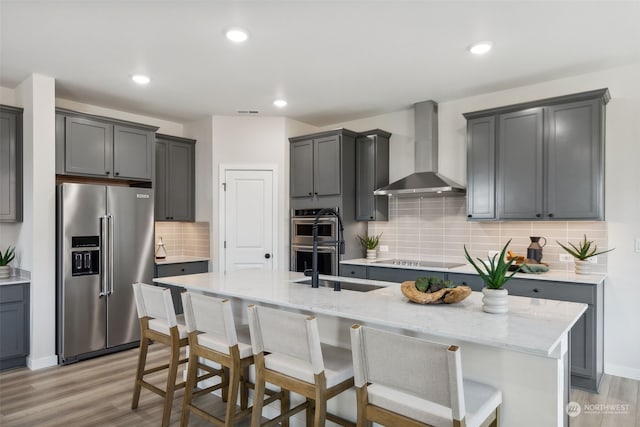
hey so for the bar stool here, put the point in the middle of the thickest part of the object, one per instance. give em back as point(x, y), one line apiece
point(158, 322)
point(426, 389)
point(213, 336)
point(288, 353)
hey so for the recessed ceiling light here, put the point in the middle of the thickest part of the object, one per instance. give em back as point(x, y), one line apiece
point(280, 103)
point(140, 79)
point(237, 35)
point(480, 48)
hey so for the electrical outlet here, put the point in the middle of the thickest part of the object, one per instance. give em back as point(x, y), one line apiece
point(565, 258)
point(384, 248)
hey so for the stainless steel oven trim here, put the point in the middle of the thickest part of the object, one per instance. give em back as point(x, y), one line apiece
point(321, 249)
point(308, 240)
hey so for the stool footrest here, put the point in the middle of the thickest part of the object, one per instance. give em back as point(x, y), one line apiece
point(291, 412)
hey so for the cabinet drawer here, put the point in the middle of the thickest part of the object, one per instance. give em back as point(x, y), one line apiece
point(560, 291)
point(474, 281)
point(359, 271)
point(11, 293)
point(166, 270)
point(400, 274)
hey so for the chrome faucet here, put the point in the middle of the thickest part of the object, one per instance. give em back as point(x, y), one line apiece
point(314, 256)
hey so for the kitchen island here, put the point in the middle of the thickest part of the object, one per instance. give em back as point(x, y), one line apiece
point(524, 353)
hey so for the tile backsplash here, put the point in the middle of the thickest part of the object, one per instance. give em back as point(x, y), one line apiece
point(437, 229)
point(184, 238)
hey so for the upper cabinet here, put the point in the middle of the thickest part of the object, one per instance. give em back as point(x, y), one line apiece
point(175, 179)
point(96, 146)
point(538, 160)
point(372, 172)
point(10, 164)
point(322, 167)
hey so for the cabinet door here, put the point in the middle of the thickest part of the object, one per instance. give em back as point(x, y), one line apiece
point(582, 345)
point(302, 169)
point(400, 275)
point(12, 330)
point(10, 167)
point(160, 181)
point(481, 168)
point(365, 178)
point(88, 147)
point(519, 170)
point(575, 160)
point(326, 162)
point(132, 153)
point(181, 167)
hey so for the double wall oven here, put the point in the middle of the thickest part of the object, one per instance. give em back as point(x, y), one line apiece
point(302, 241)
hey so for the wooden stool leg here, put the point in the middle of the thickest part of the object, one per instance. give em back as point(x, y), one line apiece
point(320, 416)
point(192, 374)
point(258, 391)
point(244, 389)
point(225, 383)
point(171, 378)
point(142, 360)
point(232, 395)
point(309, 412)
point(284, 405)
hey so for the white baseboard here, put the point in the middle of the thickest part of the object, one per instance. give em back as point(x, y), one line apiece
point(622, 371)
point(43, 362)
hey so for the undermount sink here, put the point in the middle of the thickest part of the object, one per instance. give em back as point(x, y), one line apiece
point(349, 286)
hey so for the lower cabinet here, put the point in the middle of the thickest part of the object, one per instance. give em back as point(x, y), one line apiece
point(386, 274)
point(587, 343)
point(14, 325)
point(180, 269)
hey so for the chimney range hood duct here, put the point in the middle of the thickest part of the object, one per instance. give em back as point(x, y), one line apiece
point(426, 181)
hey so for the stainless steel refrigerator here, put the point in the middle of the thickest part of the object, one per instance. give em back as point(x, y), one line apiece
point(104, 244)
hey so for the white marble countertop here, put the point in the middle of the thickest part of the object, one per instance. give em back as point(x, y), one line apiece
point(533, 326)
point(552, 275)
point(180, 259)
point(14, 280)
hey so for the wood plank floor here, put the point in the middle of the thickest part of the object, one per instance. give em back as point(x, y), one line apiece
point(97, 392)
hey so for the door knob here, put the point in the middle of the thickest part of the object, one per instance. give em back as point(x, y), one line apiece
point(267, 256)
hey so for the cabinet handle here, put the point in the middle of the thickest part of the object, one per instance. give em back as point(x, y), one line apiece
point(117, 173)
point(538, 215)
point(353, 272)
point(536, 290)
point(316, 193)
point(469, 216)
point(182, 269)
point(107, 172)
point(370, 217)
point(310, 193)
point(550, 215)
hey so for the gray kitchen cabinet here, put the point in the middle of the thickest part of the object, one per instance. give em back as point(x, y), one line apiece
point(10, 164)
point(179, 269)
point(175, 178)
point(372, 172)
point(14, 325)
point(519, 179)
point(587, 344)
point(399, 275)
point(96, 146)
point(549, 159)
point(319, 164)
point(356, 271)
point(481, 157)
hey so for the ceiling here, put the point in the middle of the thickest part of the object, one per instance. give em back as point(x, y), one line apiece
point(332, 60)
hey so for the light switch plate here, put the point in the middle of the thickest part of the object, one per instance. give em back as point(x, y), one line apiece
point(384, 248)
point(565, 258)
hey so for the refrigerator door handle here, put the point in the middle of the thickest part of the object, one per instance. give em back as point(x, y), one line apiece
point(103, 257)
point(110, 243)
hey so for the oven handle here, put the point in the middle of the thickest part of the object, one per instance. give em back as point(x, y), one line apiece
point(321, 248)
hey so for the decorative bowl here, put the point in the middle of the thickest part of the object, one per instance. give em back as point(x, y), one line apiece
point(443, 296)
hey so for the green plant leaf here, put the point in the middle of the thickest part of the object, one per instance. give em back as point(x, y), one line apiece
point(584, 250)
point(495, 272)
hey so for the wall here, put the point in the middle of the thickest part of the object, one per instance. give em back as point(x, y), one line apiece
point(184, 238)
point(622, 349)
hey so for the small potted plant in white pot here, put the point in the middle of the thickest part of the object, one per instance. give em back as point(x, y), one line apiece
point(581, 254)
point(5, 258)
point(370, 243)
point(495, 275)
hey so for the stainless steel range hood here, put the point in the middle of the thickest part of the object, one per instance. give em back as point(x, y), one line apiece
point(425, 181)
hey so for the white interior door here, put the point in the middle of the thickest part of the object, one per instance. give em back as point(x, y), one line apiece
point(249, 219)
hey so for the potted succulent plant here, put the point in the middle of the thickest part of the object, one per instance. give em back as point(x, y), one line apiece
point(581, 254)
point(370, 243)
point(5, 258)
point(495, 274)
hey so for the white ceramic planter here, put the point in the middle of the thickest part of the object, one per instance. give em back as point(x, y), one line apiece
point(582, 267)
point(495, 300)
point(371, 254)
point(5, 271)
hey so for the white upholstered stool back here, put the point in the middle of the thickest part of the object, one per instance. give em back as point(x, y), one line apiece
point(156, 303)
point(416, 382)
point(210, 315)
